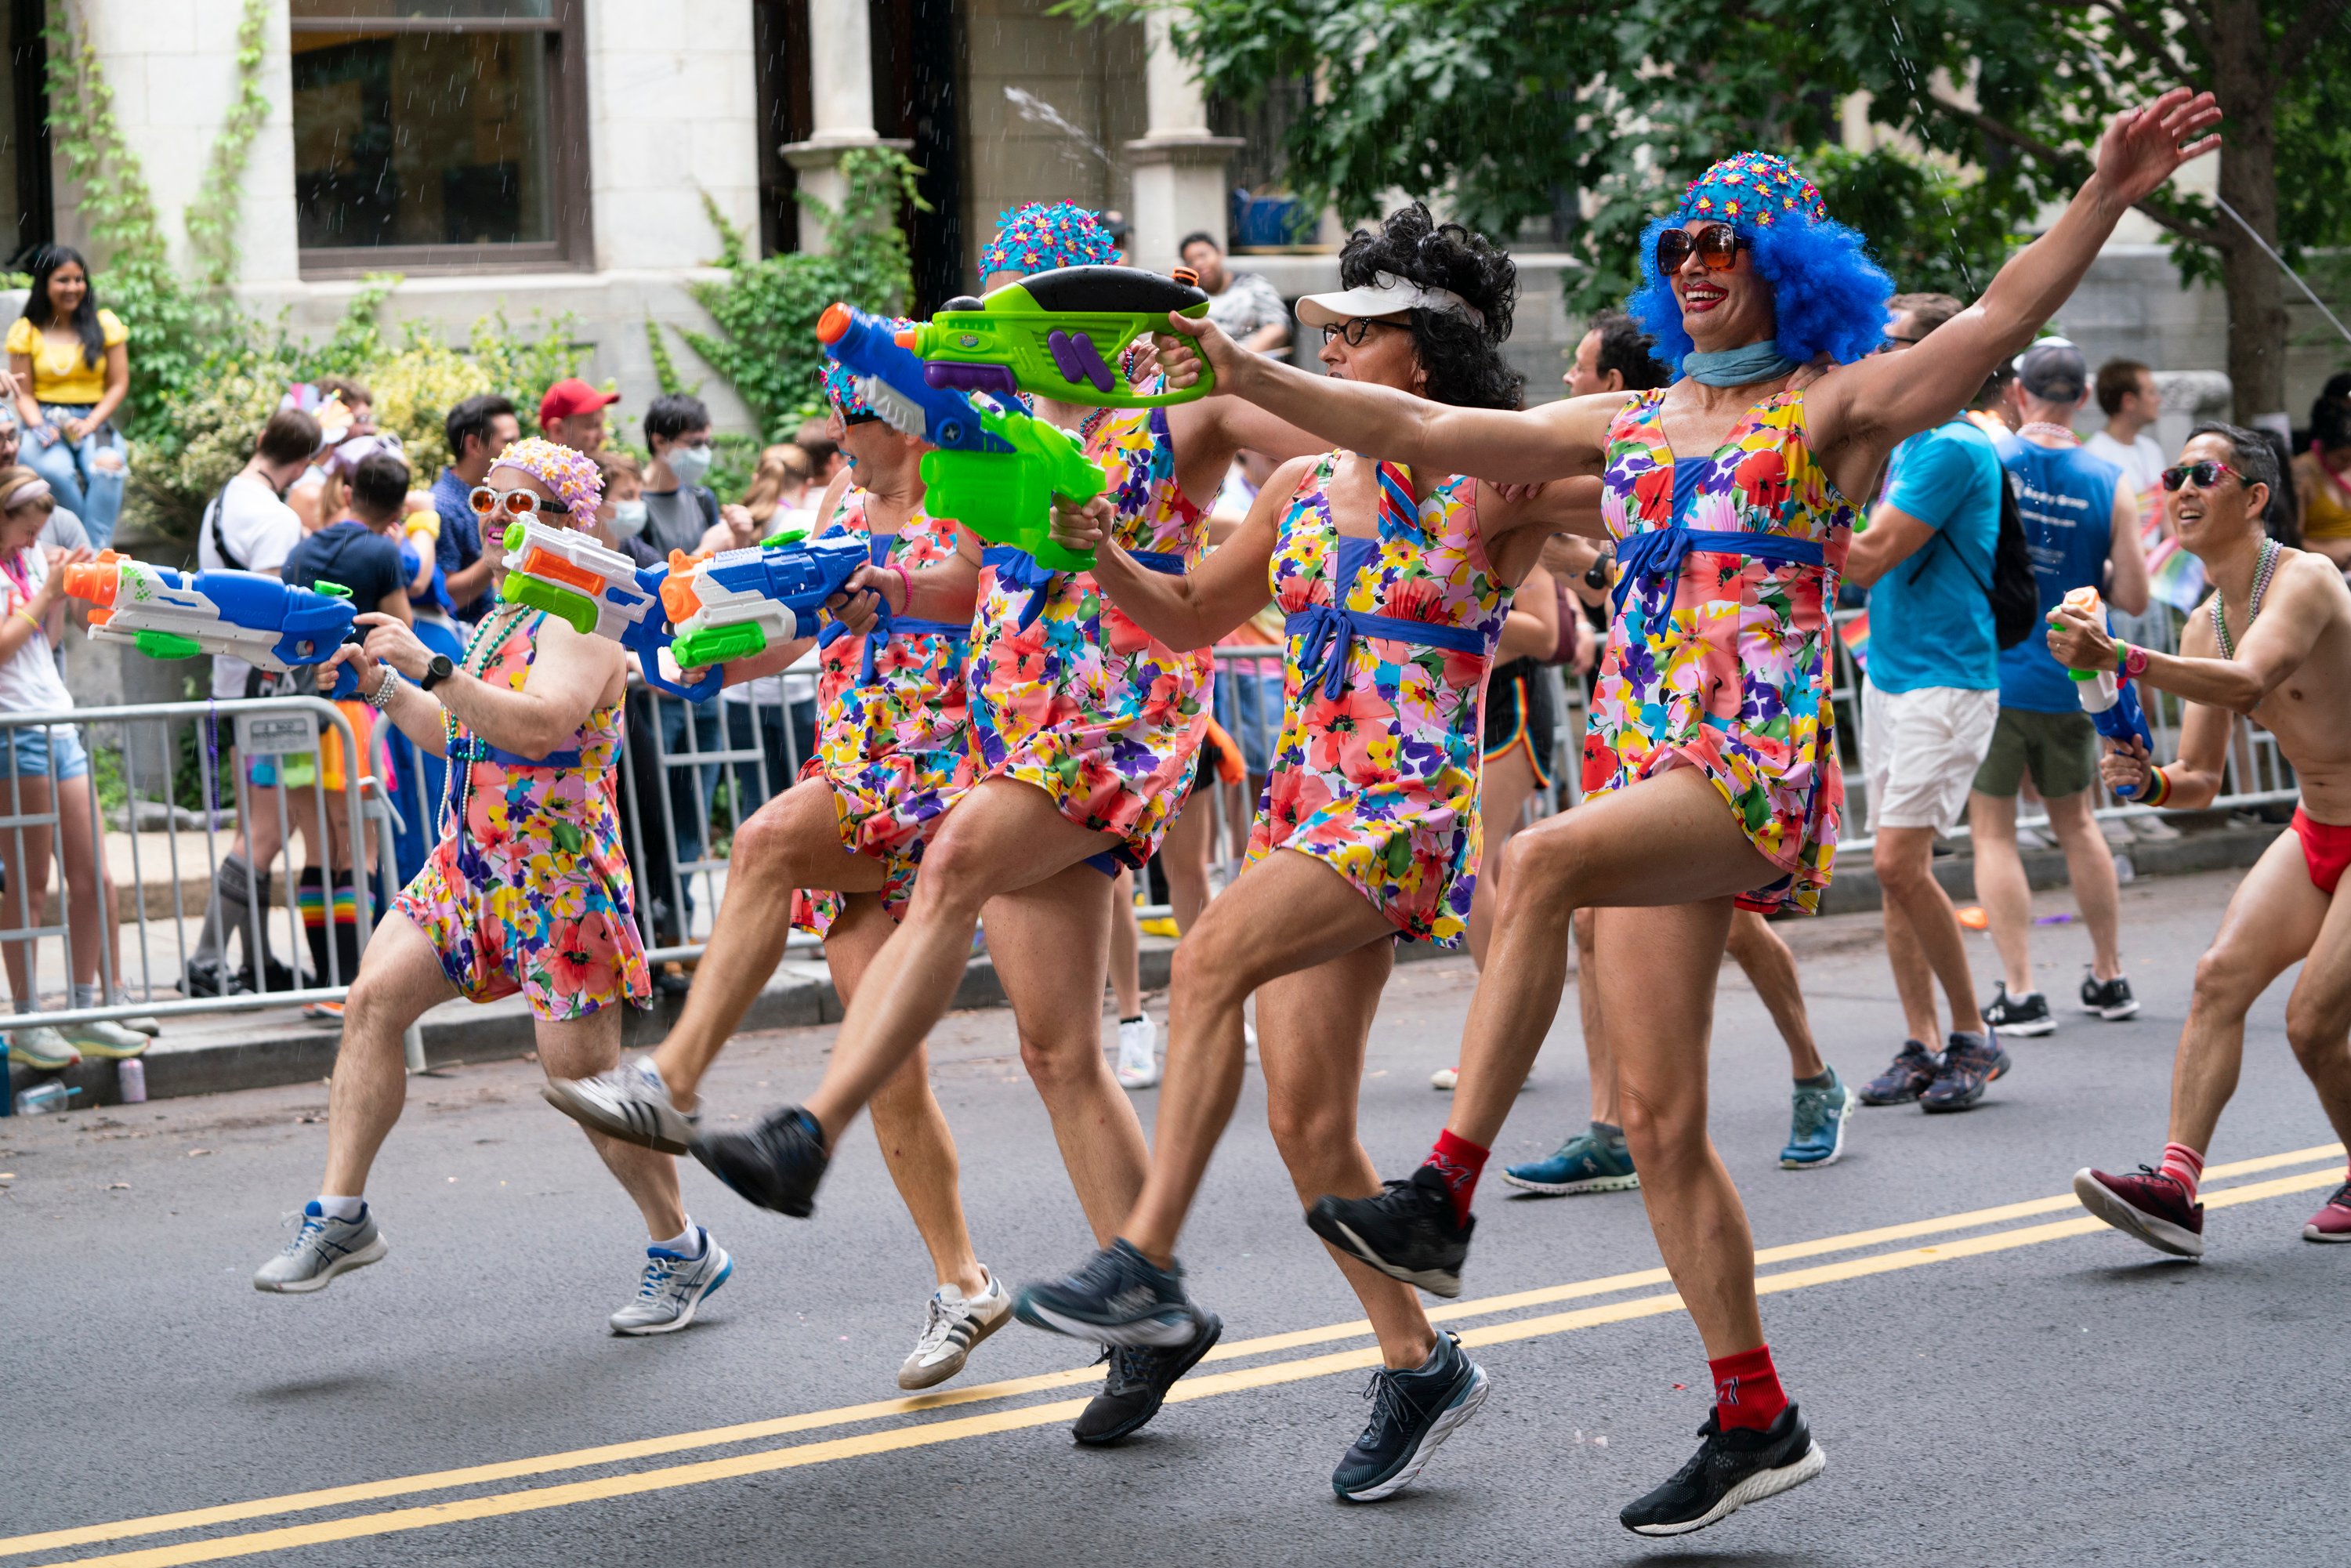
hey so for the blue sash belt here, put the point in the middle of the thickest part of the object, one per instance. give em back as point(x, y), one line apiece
point(886, 626)
point(1658, 553)
point(474, 749)
point(1329, 632)
point(1018, 569)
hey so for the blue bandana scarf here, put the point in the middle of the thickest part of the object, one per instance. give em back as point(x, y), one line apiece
point(1738, 367)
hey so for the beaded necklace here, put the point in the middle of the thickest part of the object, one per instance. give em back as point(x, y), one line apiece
point(2061, 433)
point(457, 778)
point(2252, 603)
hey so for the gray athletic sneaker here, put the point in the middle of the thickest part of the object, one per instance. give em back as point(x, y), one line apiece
point(324, 1248)
point(956, 1325)
point(672, 1287)
point(631, 1102)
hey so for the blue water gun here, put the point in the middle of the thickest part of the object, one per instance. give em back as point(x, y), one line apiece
point(597, 593)
point(738, 604)
point(2111, 701)
point(250, 615)
point(995, 472)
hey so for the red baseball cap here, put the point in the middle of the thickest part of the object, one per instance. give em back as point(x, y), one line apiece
point(571, 395)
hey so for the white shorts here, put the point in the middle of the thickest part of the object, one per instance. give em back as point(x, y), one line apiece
point(1920, 751)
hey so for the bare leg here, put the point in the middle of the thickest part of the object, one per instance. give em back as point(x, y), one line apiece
point(1125, 947)
point(1503, 790)
point(2090, 867)
point(1184, 855)
point(916, 1143)
point(999, 837)
point(1313, 1027)
point(92, 918)
point(1659, 967)
point(1599, 1058)
point(792, 842)
point(1771, 969)
point(1049, 941)
point(581, 1048)
point(1914, 983)
point(25, 852)
point(1666, 839)
point(400, 976)
point(2002, 886)
point(2318, 1016)
point(1905, 859)
point(1286, 914)
point(2272, 921)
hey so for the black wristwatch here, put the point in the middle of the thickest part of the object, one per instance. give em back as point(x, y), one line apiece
point(438, 671)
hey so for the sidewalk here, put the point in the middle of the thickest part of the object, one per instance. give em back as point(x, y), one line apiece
point(257, 1050)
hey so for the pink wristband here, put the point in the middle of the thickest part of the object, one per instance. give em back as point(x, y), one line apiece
point(907, 579)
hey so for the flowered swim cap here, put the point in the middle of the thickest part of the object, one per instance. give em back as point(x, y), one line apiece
point(841, 381)
point(1753, 189)
point(572, 476)
point(1043, 235)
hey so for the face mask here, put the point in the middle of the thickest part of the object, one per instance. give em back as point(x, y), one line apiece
point(628, 520)
point(689, 463)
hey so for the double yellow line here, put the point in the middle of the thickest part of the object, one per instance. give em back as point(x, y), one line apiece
point(926, 1433)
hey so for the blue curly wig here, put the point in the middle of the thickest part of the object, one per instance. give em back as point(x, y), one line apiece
point(1828, 295)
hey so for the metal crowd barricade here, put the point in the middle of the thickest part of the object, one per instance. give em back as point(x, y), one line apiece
point(142, 754)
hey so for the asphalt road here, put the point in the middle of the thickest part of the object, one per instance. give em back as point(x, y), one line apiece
point(2015, 1386)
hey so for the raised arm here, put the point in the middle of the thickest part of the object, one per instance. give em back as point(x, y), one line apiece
point(1506, 447)
point(2126, 587)
point(1876, 402)
point(2305, 594)
point(1532, 629)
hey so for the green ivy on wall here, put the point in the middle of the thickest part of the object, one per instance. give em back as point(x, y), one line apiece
point(212, 217)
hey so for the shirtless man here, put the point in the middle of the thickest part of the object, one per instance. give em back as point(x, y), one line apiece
point(2273, 643)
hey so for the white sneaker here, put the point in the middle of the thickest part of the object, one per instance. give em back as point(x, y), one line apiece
point(102, 1036)
point(952, 1331)
point(43, 1049)
point(631, 1102)
point(1138, 1053)
point(672, 1287)
point(141, 1024)
point(324, 1248)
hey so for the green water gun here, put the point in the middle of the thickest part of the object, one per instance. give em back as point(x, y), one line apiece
point(1059, 334)
point(1007, 498)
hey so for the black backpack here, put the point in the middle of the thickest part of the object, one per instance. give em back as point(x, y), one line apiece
point(2014, 589)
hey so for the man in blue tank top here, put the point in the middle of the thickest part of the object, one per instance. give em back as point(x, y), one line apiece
point(2082, 523)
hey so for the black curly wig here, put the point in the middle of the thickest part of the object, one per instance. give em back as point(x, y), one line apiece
point(1462, 357)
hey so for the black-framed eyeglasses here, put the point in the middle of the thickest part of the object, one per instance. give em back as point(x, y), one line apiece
point(1888, 344)
point(1354, 329)
point(1717, 244)
point(2206, 474)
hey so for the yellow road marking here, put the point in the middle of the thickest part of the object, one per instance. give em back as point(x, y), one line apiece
point(799, 1455)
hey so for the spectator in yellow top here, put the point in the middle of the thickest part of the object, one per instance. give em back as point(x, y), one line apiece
point(72, 369)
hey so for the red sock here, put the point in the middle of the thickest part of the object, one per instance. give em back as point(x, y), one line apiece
point(2184, 1166)
point(1746, 1390)
point(1459, 1162)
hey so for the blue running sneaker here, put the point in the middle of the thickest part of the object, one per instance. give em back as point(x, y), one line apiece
point(1119, 1298)
point(1412, 1413)
point(1583, 1164)
point(674, 1287)
point(1817, 1137)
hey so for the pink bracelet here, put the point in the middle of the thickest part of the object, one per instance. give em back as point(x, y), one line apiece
point(907, 579)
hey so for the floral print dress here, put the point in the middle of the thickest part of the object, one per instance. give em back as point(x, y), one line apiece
point(1718, 657)
point(528, 888)
point(1388, 644)
point(893, 736)
point(1071, 695)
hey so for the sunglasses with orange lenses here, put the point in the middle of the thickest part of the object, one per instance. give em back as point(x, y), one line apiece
point(511, 506)
point(1717, 244)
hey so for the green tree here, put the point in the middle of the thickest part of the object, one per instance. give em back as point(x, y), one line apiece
point(1505, 105)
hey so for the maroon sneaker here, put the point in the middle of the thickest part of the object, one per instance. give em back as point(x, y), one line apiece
point(2150, 1206)
point(2332, 1223)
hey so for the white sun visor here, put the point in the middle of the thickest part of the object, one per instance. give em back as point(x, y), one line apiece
point(1385, 295)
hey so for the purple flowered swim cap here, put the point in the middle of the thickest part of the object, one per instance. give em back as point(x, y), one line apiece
point(1756, 189)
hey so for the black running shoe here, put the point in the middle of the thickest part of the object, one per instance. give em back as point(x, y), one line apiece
point(1729, 1470)
point(1969, 1064)
point(1119, 1298)
point(777, 1165)
point(2110, 999)
point(1904, 1081)
point(1412, 1413)
point(2027, 1015)
point(1406, 1233)
point(1140, 1378)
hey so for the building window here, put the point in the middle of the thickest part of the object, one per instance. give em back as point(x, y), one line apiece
point(438, 133)
point(26, 213)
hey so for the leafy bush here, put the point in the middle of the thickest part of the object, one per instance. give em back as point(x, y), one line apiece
point(765, 310)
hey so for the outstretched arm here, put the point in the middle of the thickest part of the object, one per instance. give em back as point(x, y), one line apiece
point(1506, 447)
point(1190, 610)
point(1876, 402)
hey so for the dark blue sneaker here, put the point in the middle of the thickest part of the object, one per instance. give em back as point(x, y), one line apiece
point(777, 1165)
point(1408, 1233)
point(1583, 1164)
point(1969, 1064)
point(1913, 1070)
point(1119, 1298)
point(1816, 1138)
point(1412, 1413)
point(1140, 1378)
point(1729, 1470)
